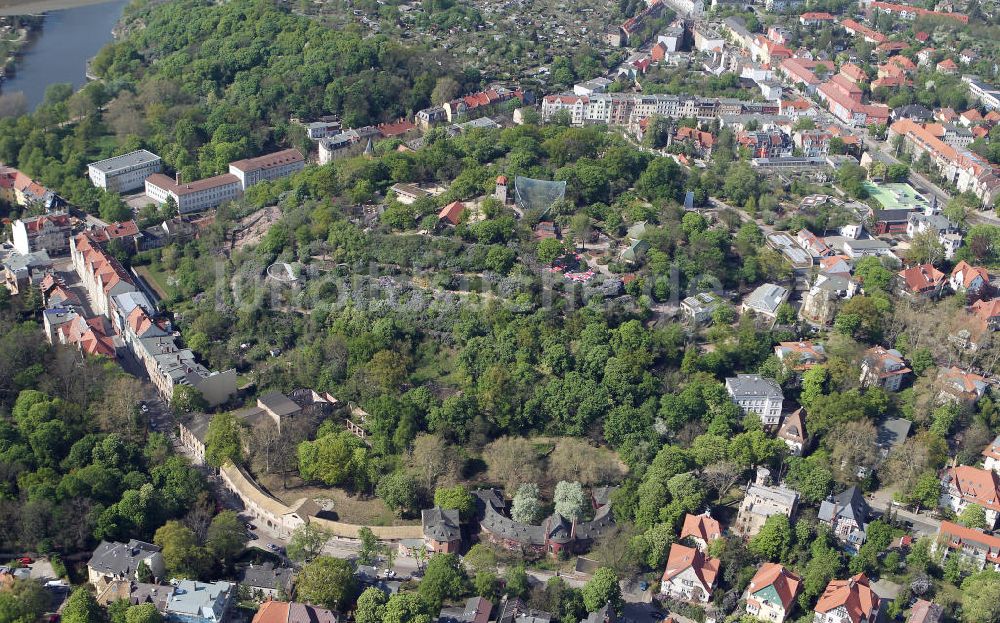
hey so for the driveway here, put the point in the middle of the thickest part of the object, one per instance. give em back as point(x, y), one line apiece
point(924, 524)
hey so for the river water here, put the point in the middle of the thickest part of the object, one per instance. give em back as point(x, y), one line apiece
point(59, 53)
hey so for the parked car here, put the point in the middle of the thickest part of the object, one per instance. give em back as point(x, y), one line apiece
point(272, 547)
point(250, 526)
point(25, 560)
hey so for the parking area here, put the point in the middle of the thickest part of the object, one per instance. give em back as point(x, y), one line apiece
point(137, 201)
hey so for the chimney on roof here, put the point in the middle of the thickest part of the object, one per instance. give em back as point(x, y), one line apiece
point(177, 178)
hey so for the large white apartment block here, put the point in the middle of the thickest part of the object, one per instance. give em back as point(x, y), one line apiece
point(268, 167)
point(125, 172)
point(196, 196)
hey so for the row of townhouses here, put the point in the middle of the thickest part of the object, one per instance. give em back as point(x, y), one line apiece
point(628, 109)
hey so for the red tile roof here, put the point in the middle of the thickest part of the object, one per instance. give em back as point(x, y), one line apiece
point(854, 594)
point(702, 527)
point(958, 537)
point(970, 272)
point(785, 583)
point(979, 486)
point(452, 212)
point(682, 557)
point(922, 278)
point(169, 184)
point(268, 161)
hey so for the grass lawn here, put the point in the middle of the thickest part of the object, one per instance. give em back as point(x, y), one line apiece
point(156, 280)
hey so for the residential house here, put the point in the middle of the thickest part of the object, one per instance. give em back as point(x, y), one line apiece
point(126, 172)
point(265, 581)
point(476, 610)
point(762, 144)
point(963, 485)
point(885, 368)
point(793, 431)
point(122, 561)
point(847, 515)
point(960, 387)
point(701, 529)
point(136, 593)
point(868, 247)
point(967, 278)
point(513, 610)
point(921, 281)
point(848, 601)
point(49, 233)
point(442, 529)
point(192, 431)
point(199, 602)
point(91, 336)
point(947, 66)
point(814, 18)
point(452, 213)
point(813, 244)
point(988, 313)
point(891, 433)
point(292, 612)
point(772, 592)
point(690, 575)
point(25, 271)
point(800, 355)
point(924, 611)
point(700, 307)
point(762, 501)
point(976, 547)
point(757, 394)
point(701, 141)
point(765, 300)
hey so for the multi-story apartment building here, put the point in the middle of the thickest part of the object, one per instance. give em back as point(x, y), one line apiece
point(963, 485)
point(101, 274)
point(50, 232)
point(125, 172)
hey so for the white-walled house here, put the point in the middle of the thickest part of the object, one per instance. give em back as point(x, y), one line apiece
point(690, 575)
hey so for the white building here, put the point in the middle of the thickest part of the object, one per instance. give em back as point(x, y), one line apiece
point(268, 167)
point(756, 394)
point(196, 196)
point(700, 307)
point(49, 232)
point(125, 172)
point(765, 300)
point(690, 575)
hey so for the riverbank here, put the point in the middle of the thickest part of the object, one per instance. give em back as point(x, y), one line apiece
point(59, 53)
point(34, 7)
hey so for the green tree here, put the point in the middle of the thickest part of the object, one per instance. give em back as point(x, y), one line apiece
point(187, 399)
point(399, 492)
point(24, 602)
point(602, 589)
point(480, 558)
point(182, 555)
point(405, 608)
point(973, 516)
point(443, 580)
point(371, 606)
point(486, 584)
point(81, 607)
point(369, 546)
point(774, 539)
point(516, 581)
point(223, 440)
point(226, 536)
point(307, 542)
point(327, 582)
point(549, 249)
point(143, 613)
point(981, 597)
point(457, 497)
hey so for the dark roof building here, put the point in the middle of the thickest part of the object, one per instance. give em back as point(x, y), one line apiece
point(476, 610)
point(267, 578)
point(847, 513)
point(442, 529)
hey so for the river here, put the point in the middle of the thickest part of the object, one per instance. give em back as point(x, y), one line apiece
point(59, 53)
